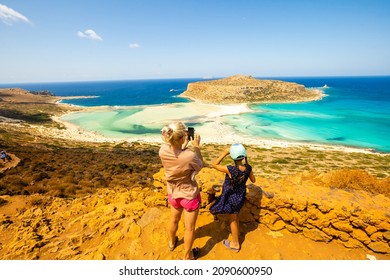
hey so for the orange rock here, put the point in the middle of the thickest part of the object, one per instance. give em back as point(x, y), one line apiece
point(316, 235)
point(370, 230)
point(361, 236)
point(343, 226)
point(379, 247)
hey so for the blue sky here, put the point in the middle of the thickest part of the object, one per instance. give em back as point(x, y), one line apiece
point(46, 41)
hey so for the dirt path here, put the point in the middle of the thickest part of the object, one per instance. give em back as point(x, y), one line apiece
point(9, 164)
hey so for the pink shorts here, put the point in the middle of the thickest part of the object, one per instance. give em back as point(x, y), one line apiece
point(189, 205)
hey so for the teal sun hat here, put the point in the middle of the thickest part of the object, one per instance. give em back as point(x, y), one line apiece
point(237, 152)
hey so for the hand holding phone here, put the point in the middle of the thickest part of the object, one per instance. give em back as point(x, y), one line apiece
point(191, 133)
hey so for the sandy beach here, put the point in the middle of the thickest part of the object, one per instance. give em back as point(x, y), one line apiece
point(213, 130)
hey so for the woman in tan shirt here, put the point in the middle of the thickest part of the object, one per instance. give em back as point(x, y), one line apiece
point(180, 166)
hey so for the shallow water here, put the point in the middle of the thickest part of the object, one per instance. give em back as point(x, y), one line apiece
point(354, 113)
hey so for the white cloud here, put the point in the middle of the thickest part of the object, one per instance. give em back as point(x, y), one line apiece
point(90, 34)
point(9, 16)
point(134, 46)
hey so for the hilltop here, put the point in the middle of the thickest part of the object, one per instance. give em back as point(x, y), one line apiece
point(22, 106)
point(246, 89)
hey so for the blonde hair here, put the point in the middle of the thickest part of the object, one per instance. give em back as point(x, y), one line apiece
point(173, 133)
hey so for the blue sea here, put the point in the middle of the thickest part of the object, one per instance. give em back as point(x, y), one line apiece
point(355, 111)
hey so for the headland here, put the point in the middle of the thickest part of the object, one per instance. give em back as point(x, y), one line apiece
point(239, 89)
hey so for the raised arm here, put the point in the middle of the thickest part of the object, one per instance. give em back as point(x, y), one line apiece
point(252, 177)
point(196, 144)
point(216, 163)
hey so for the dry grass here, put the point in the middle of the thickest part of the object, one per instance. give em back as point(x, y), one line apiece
point(278, 162)
point(353, 171)
point(36, 117)
point(72, 172)
point(355, 179)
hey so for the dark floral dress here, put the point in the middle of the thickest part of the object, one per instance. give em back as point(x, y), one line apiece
point(233, 191)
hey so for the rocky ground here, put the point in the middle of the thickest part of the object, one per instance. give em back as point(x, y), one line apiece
point(110, 225)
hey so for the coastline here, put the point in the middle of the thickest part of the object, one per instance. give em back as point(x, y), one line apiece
point(320, 94)
point(205, 117)
point(213, 131)
point(74, 97)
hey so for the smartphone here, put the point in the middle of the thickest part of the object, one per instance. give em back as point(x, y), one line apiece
point(191, 132)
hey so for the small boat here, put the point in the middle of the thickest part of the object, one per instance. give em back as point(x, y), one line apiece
point(325, 86)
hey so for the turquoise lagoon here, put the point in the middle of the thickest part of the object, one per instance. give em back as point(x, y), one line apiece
point(355, 111)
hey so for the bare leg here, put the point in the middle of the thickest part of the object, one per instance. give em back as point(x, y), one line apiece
point(174, 224)
point(234, 227)
point(189, 233)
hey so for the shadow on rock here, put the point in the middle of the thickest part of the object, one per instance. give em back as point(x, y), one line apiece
point(219, 228)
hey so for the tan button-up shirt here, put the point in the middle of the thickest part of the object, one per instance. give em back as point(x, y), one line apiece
point(179, 169)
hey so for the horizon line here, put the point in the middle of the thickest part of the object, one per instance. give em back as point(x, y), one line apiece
point(192, 78)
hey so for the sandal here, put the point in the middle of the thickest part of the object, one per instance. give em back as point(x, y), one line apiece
point(171, 248)
point(226, 243)
point(195, 253)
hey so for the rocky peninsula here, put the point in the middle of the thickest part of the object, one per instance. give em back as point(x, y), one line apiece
point(246, 89)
